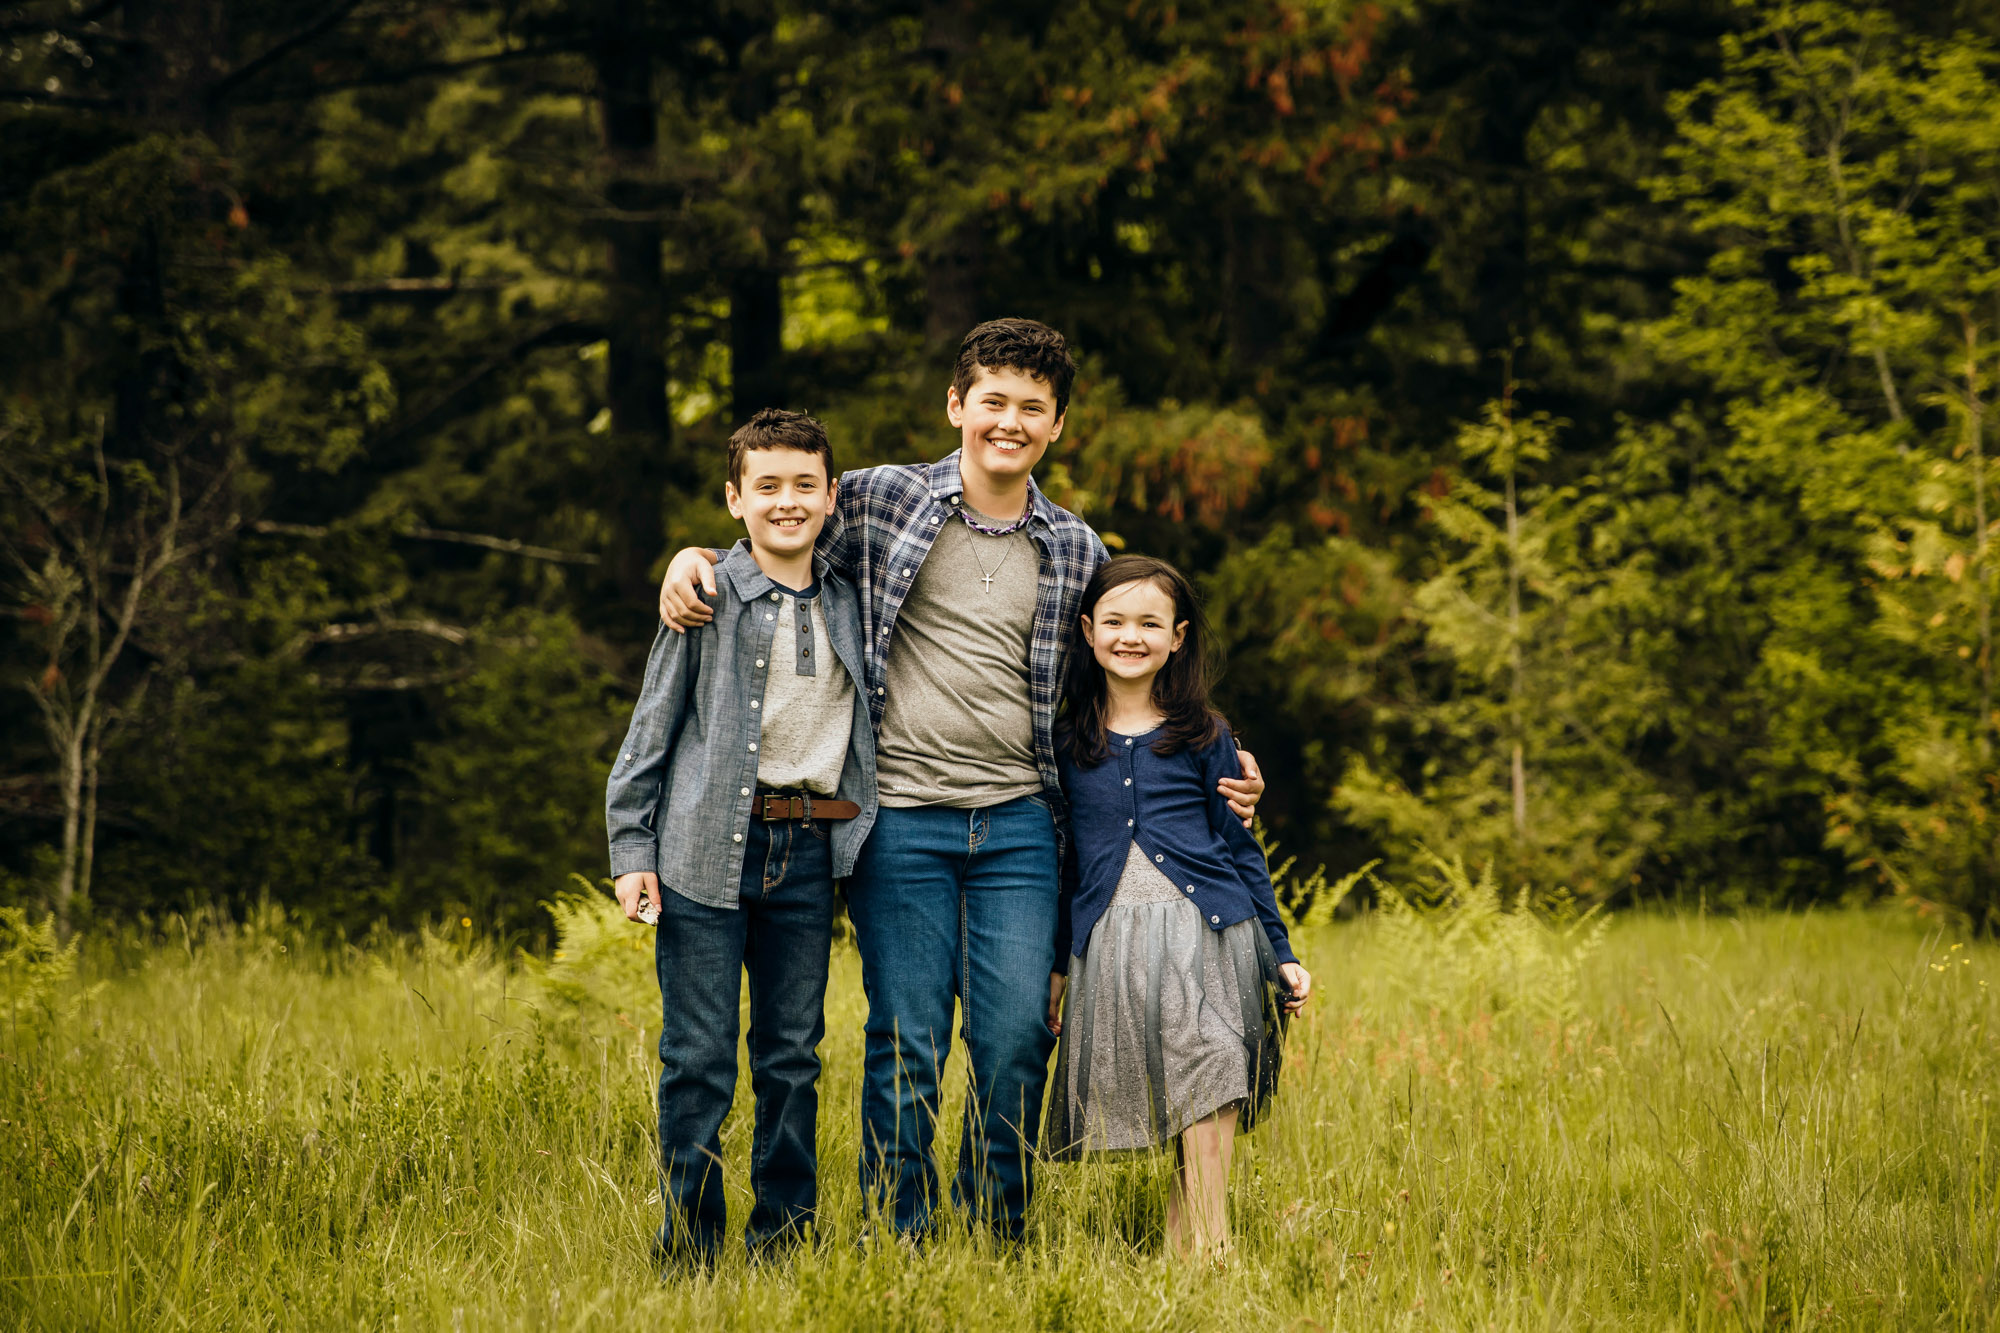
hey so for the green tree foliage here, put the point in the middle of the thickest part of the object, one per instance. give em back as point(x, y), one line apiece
point(436, 318)
point(1842, 166)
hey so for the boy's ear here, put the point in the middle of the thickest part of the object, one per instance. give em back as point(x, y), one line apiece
point(954, 407)
point(1055, 431)
point(732, 499)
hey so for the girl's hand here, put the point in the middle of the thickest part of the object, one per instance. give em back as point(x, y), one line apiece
point(1298, 984)
point(1058, 984)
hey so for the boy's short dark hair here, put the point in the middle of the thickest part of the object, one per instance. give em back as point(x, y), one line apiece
point(775, 428)
point(1026, 345)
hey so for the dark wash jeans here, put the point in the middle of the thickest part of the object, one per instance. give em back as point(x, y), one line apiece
point(955, 903)
point(781, 932)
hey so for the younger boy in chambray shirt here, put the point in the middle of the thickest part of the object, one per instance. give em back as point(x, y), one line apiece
point(745, 787)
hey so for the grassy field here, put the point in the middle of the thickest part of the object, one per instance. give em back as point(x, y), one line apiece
point(1776, 1122)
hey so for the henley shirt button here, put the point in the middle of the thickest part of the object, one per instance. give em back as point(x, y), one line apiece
point(954, 499)
point(880, 690)
point(774, 597)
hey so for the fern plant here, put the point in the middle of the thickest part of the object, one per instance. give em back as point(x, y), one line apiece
point(1463, 944)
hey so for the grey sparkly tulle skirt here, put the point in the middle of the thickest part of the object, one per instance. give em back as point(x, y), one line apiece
point(1166, 1022)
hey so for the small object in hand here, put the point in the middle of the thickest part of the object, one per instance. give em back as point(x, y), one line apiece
point(649, 911)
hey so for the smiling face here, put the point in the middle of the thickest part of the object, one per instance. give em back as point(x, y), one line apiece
point(1132, 631)
point(783, 499)
point(1006, 421)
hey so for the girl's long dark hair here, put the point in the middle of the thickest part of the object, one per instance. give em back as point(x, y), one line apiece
point(1181, 689)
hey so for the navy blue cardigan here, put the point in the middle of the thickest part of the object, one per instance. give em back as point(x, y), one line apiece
point(1169, 805)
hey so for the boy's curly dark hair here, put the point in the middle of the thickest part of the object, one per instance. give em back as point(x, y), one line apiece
point(1025, 345)
point(775, 428)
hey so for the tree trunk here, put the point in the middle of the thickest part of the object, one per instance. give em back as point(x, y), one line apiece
point(1519, 771)
point(756, 341)
point(637, 465)
point(1975, 432)
point(954, 266)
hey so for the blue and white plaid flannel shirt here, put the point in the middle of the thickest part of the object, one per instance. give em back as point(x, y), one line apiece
point(882, 527)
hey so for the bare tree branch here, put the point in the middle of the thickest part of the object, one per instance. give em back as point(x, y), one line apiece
point(507, 545)
point(219, 90)
point(390, 78)
point(563, 332)
point(348, 633)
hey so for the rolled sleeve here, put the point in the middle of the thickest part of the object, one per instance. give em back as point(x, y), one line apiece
point(632, 795)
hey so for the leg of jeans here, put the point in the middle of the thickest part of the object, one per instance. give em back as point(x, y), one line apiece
point(904, 901)
point(1010, 924)
point(698, 952)
point(790, 931)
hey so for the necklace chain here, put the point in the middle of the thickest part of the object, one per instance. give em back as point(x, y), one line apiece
point(986, 576)
point(1004, 530)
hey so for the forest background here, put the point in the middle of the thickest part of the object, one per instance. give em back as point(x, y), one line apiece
point(1578, 415)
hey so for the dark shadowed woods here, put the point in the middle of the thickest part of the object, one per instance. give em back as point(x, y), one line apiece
point(1579, 416)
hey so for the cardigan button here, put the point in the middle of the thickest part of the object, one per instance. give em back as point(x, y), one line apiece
point(1159, 858)
point(1215, 921)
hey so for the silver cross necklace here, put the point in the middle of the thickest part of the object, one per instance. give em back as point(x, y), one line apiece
point(987, 575)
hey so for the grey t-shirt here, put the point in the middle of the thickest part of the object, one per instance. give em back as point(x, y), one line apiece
point(808, 703)
point(958, 728)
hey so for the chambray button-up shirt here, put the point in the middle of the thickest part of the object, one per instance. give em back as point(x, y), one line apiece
point(1170, 806)
point(678, 801)
point(884, 522)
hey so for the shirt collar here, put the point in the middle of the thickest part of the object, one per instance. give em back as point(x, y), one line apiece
point(748, 578)
point(947, 482)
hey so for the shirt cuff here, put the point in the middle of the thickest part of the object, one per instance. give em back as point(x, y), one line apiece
point(627, 857)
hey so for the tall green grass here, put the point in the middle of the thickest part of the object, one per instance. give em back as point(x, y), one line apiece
point(1777, 1122)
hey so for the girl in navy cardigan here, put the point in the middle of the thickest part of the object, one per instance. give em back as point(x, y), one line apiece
point(1171, 1010)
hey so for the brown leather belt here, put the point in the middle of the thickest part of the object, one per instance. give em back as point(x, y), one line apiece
point(771, 806)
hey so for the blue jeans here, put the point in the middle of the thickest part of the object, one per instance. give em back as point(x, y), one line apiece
point(781, 931)
point(955, 902)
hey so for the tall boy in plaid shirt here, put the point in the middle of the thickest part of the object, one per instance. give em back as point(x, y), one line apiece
point(969, 579)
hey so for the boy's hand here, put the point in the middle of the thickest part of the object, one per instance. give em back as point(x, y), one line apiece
point(1298, 986)
point(692, 572)
point(1242, 793)
point(637, 890)
point(1058, 984)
